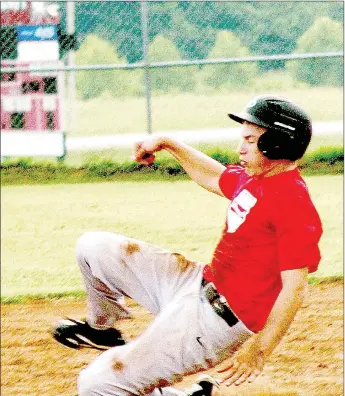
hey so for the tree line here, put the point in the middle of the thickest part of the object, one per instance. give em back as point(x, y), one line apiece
point(209, 78)
point(265, 28)
point(111, 32)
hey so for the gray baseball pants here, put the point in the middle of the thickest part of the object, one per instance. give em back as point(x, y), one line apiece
point(186, 335)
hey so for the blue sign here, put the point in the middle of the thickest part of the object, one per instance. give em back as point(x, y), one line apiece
point(37, 32)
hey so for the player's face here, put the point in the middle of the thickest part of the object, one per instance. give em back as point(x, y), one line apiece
point(250, 156)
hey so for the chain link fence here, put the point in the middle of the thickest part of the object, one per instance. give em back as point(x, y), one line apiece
point(138, 67)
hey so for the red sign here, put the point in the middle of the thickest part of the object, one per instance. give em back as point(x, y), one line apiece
point(30, 101)
point(28, 13)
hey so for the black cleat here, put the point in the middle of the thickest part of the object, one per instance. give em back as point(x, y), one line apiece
point(206, 386)
point(76, 334)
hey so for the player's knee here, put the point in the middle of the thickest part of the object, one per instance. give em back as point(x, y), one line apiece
point(95, 242)
point(87, 240)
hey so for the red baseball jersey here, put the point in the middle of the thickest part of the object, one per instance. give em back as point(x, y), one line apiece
point(271, 226)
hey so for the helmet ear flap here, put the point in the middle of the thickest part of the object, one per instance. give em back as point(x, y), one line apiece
point(277, 144)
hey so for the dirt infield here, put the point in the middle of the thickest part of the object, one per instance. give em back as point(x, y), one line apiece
point(308, 362)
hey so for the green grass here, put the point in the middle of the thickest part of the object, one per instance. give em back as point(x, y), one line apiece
point(107, 115)
point(123, 154)
point(77, 158)
point(41, 223)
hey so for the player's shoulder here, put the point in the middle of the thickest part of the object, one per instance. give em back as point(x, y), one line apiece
point(230, 178)
point(292, 202)
point(235, 170)
point(292, 182)
point(292, 188)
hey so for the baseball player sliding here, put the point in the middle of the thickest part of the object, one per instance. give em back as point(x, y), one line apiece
point(241, 304)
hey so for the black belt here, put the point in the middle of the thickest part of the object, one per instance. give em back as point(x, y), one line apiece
point(218, 303)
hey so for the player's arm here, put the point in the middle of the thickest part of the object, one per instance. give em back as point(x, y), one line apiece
point(248, 362)
point(201, 168)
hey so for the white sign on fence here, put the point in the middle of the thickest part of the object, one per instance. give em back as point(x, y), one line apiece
point(29, 144)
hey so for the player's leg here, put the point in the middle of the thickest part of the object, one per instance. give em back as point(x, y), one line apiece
point(186, 337)
point(146, 273)
point(112, 266)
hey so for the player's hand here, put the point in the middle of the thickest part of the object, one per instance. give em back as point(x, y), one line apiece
point(143, 151)
point(246, 365)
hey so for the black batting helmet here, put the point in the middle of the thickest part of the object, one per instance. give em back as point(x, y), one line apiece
point(289, 127)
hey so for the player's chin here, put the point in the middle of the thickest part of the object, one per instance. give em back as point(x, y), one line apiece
point(245, 165)
point(247, 168)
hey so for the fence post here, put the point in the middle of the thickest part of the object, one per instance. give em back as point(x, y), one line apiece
point(70, 62)
point(144, 19)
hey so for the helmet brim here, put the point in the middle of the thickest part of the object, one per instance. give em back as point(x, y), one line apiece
point(241, 117)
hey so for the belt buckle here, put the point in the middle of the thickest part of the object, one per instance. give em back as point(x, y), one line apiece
point(210, 292)
point(219, 304)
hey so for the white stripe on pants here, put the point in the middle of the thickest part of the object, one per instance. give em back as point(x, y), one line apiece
point(186, 335)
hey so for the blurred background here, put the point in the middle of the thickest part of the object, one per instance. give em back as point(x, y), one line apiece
point(83, 79)
point(81, 82)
